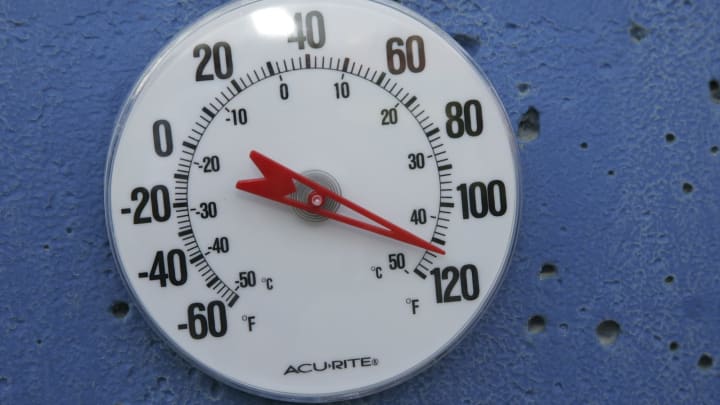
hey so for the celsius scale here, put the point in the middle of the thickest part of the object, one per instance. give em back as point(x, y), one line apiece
point(312, 200)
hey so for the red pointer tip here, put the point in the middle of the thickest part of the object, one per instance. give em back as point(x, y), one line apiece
point(278, 183)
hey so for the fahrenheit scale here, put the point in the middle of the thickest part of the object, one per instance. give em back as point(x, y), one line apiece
point(312, 200)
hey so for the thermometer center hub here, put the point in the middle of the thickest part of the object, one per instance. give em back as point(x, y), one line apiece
point(316, 200)
point(307, 195)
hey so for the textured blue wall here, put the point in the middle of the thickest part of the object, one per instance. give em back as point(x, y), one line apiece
point(614, 291)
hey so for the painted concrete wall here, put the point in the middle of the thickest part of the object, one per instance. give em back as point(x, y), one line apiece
point(613, 295)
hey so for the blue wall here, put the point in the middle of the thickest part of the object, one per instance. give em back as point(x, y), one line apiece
point(614, 291)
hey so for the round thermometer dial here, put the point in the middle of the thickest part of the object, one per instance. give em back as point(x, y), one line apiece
point(312, 200)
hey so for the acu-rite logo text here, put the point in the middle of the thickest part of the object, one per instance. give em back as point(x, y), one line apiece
point(317, 367)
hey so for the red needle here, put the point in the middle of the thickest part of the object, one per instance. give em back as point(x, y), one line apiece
point(278, 184)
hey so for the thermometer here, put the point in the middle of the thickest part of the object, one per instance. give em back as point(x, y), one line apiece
point(312, 200)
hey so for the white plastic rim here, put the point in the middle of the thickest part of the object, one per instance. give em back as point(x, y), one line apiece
point(370, 100)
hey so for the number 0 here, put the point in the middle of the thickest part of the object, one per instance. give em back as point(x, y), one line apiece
point(162, 138)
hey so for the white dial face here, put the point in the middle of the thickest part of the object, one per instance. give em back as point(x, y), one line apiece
point(312, 200)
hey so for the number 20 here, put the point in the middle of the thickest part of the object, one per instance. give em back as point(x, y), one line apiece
point(221, 55)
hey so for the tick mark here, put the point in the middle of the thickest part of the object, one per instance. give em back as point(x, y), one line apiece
point(236, 85)
point(432, 132)
point(420, 274)
point(380, 79)
point(213, 281)
point(208, 112)
point(125, 211)
point(182, 326)
point(143, 275)
point(410, 102)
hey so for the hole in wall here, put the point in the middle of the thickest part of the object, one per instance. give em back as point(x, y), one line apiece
point(470, 43)
point(46, 247)
point(637, 31)
point(687, 188)
point(68, 230)
point(120, 309)
point(670, 138)
point(669, 279)
point(584, 145)
point(705, 361)
point(548, 270)
point(611, 172)
point(714, 87)
point(216, 390)
point(607, 332)
point(523, 88)
point(536, 324)
point(714, 150)
point(529, 126)
point(673, 346)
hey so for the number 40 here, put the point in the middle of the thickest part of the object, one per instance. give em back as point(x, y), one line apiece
point(312, 31)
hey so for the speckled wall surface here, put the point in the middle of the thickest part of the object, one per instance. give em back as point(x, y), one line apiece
point(613, 295)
